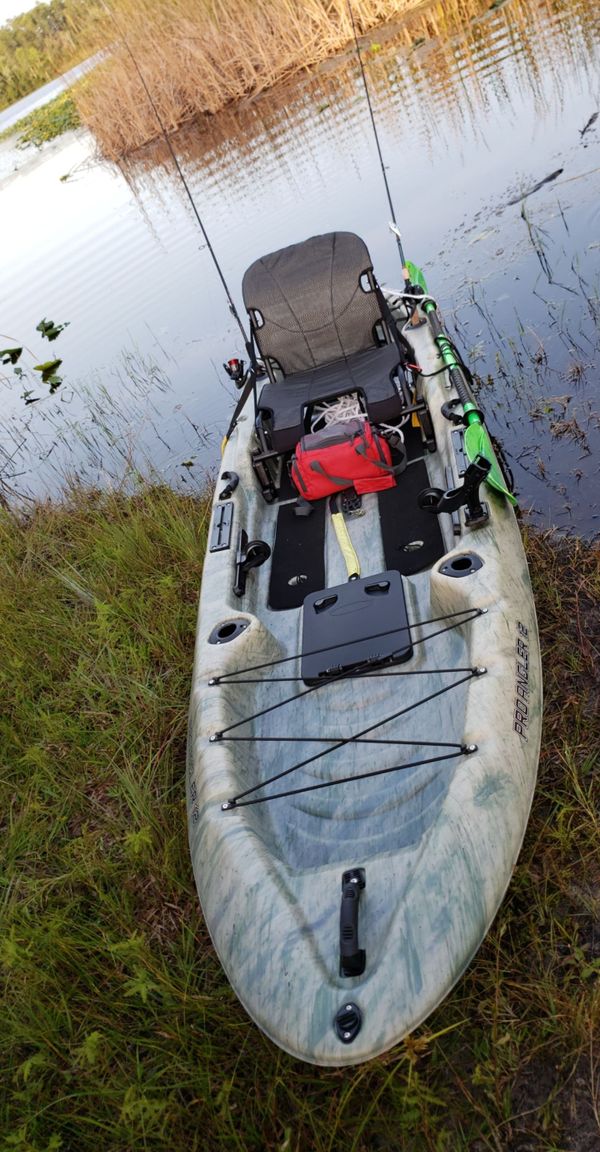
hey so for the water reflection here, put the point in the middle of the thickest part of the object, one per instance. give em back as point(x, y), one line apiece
point(470, 116)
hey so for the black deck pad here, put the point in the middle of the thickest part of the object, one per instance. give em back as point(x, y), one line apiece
point(404, 524)
point(298, 556)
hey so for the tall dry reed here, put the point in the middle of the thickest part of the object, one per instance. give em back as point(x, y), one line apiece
point(198, 56)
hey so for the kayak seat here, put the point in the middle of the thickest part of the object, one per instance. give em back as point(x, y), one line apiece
point(322, 329)
point(369, 373)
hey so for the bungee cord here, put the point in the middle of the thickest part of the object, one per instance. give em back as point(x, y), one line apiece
point(243, 803)
point(468, 613)
point(234, 801)
point(351, 674)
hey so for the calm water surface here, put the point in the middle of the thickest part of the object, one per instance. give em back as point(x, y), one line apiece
point(469, 121)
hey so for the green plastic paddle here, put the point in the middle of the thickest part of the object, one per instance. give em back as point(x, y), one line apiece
point(476, 437)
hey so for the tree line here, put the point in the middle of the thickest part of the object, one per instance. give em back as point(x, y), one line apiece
point(41, 44)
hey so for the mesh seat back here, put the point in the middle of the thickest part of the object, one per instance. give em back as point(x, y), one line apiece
point(310, 300)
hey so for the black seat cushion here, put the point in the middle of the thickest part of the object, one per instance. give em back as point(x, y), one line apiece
point(369, 373)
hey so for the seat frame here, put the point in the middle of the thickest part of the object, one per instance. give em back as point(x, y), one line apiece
point(268, 459)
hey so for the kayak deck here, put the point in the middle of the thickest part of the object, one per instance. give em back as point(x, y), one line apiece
point(413, 777)
point(294, 724)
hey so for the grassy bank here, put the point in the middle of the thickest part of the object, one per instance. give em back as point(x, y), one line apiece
point(200, 58)
point(197, 59)
point(118, 1029)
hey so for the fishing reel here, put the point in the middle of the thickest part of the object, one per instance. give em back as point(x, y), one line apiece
point(436, 501)
point(235, 369)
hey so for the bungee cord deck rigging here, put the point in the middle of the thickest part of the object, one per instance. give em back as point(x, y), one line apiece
point(365, 671)
point(241, 801)
point(470, 613)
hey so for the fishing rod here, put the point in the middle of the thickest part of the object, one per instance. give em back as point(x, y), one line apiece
point(165, 135)
point(394, 226)
point(477, 439)
point(245, 380)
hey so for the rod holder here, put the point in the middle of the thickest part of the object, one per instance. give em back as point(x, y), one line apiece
point(436, 501)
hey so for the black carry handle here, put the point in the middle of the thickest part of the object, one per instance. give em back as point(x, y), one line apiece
point(352, 958)
point(249, 555)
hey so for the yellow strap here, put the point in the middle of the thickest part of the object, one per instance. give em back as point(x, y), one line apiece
point(343, 537)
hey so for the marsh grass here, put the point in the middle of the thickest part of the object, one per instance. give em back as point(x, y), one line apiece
point(199, 58)
point(118, 1029)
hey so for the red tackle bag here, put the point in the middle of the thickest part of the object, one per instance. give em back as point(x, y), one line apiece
point(350, 454)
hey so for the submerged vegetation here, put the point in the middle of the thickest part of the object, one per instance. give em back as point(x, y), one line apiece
point(12, 362)
point(117, 1026)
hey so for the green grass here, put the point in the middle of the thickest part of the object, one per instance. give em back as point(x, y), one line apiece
point(52, 119)
point(118, 1030)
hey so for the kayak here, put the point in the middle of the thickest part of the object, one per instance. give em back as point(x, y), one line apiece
point(366, 703)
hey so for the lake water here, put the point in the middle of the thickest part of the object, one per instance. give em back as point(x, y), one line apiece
point(469, 120)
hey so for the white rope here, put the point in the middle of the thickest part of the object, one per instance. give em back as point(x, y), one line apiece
point(328, 412)
point(395, 299)
point(420, 299)
point(348, 407)
point(394, 429)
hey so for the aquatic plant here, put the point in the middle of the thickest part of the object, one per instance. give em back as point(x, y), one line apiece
point(10, 358)
point(45, 123)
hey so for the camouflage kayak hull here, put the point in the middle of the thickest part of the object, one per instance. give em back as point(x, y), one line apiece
point(431, 841)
